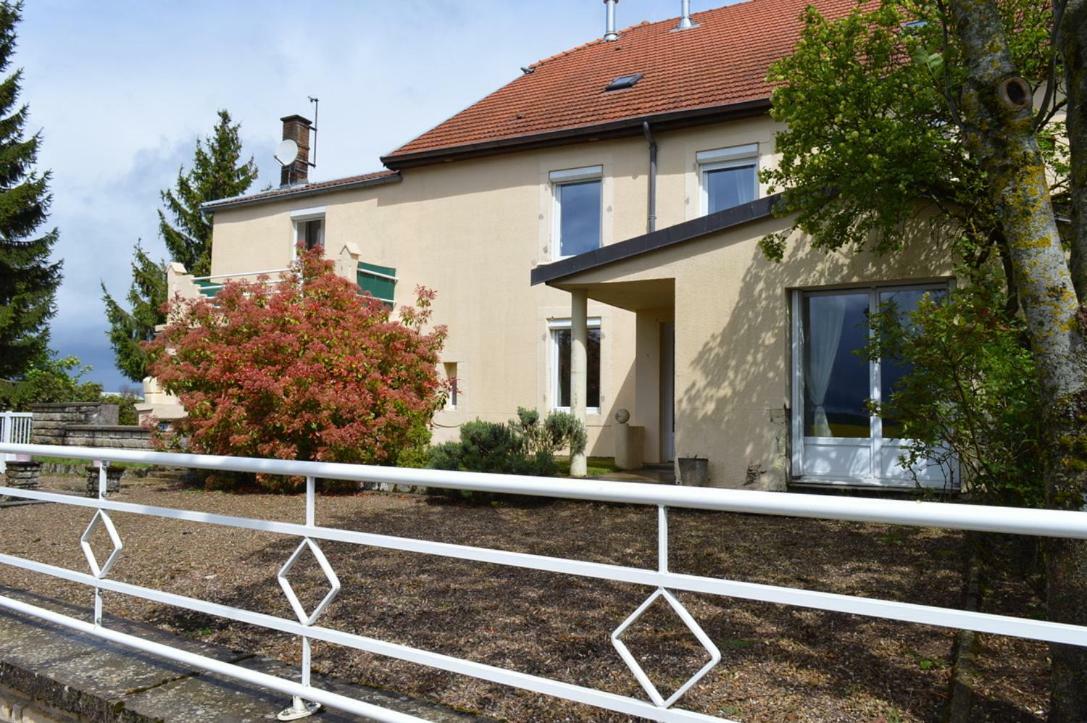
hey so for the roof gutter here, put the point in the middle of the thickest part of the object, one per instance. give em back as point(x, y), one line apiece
point(275, 195)
point(615, 129)
point(651, 204)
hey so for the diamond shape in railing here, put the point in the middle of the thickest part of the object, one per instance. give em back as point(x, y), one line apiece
point(692, 625)
point(330, 575)
point(101, 518)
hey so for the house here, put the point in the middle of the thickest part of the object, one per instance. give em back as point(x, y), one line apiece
point(591, 230)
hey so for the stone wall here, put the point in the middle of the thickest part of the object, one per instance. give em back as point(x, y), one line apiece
point(118, 437)
point(85, 424)
point(51, 420)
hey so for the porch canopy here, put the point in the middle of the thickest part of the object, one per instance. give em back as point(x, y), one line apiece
point(640, 275)
point(721, 343)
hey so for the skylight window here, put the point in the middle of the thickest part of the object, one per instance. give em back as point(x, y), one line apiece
point(624, 81)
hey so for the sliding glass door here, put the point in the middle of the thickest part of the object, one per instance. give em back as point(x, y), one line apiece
point(836, 440)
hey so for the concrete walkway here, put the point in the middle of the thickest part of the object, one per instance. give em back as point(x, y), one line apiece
point(50, 673)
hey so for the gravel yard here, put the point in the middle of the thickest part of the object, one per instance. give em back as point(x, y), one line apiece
point(779, 664)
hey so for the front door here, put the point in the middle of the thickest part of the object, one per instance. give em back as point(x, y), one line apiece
point(836, 440)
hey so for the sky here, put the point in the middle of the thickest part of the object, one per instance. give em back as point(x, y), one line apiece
point(122, 89)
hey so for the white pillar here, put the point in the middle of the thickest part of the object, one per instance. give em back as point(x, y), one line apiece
point(579, 375)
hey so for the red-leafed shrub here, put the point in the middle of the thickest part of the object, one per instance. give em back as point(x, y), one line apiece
point(305, 369)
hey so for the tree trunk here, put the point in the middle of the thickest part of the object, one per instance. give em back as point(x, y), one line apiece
point(1072, 41)
point(998, 122)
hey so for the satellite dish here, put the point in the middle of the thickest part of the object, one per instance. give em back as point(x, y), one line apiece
point(287, 152)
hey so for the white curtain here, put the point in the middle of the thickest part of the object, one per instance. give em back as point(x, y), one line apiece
point(826, 315)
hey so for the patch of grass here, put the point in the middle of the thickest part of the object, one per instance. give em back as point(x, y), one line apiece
point(597, 466)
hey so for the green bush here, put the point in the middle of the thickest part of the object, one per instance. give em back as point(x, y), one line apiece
point(57, 379)
point(126, 407)
point(970, 399)
point(525, 445)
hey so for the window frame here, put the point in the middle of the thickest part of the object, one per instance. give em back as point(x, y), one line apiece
point(570, 177)
point(304, 216)
point(554, 325)
point(875, 440)
point(452, 400)
point(721, 159)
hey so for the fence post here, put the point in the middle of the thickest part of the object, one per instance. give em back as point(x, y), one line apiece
point(301, 708)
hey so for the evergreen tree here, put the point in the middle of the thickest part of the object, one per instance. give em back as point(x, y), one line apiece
point(217, 172)
point(28, 281)
point(130, 328)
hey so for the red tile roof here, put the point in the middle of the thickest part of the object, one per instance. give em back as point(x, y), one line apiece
point(721, 63)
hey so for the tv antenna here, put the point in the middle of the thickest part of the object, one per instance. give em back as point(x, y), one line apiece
point(316, 103)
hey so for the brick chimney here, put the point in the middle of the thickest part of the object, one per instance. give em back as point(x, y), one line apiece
point(297, 129)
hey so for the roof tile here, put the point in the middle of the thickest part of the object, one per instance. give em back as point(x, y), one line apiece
point(724, 61)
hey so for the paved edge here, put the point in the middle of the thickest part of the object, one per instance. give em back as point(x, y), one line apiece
point(79, 677)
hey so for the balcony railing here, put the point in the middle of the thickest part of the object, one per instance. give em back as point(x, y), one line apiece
point(661, 582)
point(209, 286)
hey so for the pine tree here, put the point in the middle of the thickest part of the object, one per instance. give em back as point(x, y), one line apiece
point(28, 281)
point(216, 173)
point(130, 328)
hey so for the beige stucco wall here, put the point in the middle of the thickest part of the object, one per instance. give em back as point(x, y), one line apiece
point(732, 351)
point(473, 230)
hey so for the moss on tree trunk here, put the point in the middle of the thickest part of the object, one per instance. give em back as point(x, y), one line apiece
point(1000, 131)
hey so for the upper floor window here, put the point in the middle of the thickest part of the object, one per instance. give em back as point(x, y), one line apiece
point(309, 228)
point(311, 234)
point(578, 209)
point(729, 176)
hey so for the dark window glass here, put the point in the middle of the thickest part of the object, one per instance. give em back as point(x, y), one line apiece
point(311, 234)
point(836, 377)
point(563, 340)
point(903, 302)
point(729, 187)
point(579, 217)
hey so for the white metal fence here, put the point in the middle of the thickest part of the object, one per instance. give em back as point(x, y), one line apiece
point(15, 428)
point(662, 583)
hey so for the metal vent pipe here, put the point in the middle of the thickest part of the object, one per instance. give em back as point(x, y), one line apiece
point(685, 21)
point(610, 34)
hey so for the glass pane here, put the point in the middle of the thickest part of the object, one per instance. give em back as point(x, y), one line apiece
point(904, 302)
point(563, 339)
point(728, 187)
point(311, 234)
point(579, 222)
point(836, 378)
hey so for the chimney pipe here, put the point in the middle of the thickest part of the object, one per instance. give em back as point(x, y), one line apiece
point(685, 21)
point(611, 35)
point(297, 129)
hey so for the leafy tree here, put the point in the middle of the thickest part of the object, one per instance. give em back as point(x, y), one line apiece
point(306, 369)
point(28, 282)
point(48, 381)
point(970, 400)
point(217, 172)
point(917, 121)
point(131, 328)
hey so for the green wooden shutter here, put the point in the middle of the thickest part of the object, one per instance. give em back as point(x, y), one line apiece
point(379, 281)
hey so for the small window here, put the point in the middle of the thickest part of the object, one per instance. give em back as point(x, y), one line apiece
point(729, 177)
point(311, 233)
point(578, 210)
point(453, 391)
point(561, 341)
point(624, 81)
